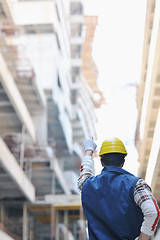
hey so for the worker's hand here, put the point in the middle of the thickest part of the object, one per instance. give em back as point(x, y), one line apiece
point(89, 144)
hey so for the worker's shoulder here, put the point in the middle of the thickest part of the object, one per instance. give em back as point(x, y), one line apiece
point(92, 180)
point(130, 177)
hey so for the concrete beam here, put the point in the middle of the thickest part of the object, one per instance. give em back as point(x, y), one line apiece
point(6, 8)
point(33, 12)
point(59, 173)
point(16, 99)
point(63, 200)
point(10, 165)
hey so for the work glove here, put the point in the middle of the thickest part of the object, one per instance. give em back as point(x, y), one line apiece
point(89, 144)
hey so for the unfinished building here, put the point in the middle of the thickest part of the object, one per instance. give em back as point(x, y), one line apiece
point(148, 103)
point(46, 112)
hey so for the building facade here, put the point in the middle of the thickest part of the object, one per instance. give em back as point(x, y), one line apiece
point(46, 112)
point(148, 102)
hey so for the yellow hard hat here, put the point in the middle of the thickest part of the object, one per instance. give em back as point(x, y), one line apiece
point(112, 145)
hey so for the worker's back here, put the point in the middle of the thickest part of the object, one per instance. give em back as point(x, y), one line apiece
point(109, 206)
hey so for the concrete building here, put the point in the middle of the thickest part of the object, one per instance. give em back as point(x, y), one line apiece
point(46, 112)
point(148, 102)
point(89, 67)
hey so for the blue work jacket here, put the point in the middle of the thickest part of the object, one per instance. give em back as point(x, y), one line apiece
point(109, 205)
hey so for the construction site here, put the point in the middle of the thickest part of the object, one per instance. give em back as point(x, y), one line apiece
point(45, 102)
point(48, 101)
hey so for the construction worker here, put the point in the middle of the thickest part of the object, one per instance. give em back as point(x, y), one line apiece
point(117, 204)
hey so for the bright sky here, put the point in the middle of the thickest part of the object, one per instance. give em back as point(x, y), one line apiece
point(117, 51)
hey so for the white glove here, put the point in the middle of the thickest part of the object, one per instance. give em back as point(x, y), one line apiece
point(89, 145)
point(136, 238)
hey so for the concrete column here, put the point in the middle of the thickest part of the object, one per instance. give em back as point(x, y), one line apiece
point(25, 222)
point(57, 225)
point(52, 222)
point(75, 229)
point(53, 190)
point(22, 147)
point(66, 224)
point(40, 123)
point(82, 225)
point(2, 214)
point(31, 228)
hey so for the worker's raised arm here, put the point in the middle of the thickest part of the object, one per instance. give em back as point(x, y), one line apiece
point(87, 164)
point(146, 201)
